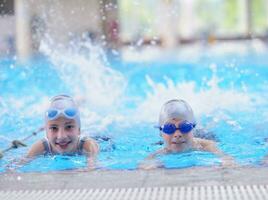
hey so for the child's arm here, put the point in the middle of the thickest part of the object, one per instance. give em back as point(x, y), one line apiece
point(35, 150)
point(150, 162)
point(91, 149)
point(210, 146)
point(157, 153)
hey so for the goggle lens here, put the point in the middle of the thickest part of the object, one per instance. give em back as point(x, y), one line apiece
point(184, 127)
point(54, 113)
point(169, 128)
point(70, 112)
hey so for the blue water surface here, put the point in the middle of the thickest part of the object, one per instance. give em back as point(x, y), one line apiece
point(239, 132)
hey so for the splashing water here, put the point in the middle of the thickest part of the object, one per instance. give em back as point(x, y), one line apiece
point(123, 99)
point(203, 101)
point(84, 69)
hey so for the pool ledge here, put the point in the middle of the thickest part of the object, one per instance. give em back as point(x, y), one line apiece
point(134, 178)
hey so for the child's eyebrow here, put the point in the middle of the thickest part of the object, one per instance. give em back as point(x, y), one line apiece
point(69, 122)
point(53, 125)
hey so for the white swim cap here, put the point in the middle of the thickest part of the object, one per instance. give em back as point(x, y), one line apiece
point(176, 108)
point(62, 105)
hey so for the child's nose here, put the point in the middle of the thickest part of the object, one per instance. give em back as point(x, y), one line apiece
point(177, 134)
point(61, 133)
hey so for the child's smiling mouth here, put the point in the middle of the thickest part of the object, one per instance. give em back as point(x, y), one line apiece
point(63, 145)
point(178, 142)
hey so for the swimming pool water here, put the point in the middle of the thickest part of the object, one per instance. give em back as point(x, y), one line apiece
point(120, 99)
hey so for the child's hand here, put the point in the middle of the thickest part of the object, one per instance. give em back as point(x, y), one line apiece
point(91, 163)
point(91, 168)
point(10, 170)
point(150, 164)
point(228, 161)
point(265, 161)
point(15, 164)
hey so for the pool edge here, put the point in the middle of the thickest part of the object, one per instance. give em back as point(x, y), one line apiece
point(134, 178)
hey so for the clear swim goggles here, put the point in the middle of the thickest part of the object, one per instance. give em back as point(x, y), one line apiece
point(69, 113)
point(184, 127)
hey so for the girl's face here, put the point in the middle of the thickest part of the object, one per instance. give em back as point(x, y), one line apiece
point(177, 138)
point(63, 135)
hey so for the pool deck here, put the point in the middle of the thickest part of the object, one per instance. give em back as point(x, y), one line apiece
point(134, 178)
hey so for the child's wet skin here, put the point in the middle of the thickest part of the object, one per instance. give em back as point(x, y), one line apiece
point(63, 134)
point(178, 141)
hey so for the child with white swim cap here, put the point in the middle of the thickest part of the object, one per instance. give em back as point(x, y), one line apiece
point(62, 126)
point(176, 125)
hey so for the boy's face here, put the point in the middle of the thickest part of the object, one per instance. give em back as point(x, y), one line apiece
point(177, 139)
point(63, 135)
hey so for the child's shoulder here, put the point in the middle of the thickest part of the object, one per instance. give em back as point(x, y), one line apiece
point(206, 145)
point(204, 142)
point(88, 139)
point(37, 148)
point(89, 144)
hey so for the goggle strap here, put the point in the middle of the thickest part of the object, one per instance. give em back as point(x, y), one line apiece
point(158, 127)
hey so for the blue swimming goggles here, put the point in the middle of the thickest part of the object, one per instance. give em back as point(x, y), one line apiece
point(69, 113)
point(184, 127)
